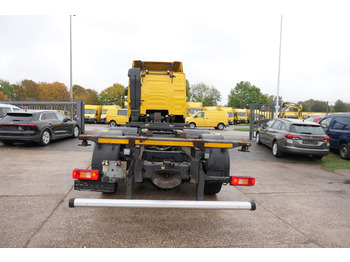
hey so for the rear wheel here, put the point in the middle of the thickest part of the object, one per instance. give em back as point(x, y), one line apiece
point(275, 150)
point(344, 151)
point(112, 123)
point(218, 165)
point(221, 126)
point(45, 138)
point(212, 188)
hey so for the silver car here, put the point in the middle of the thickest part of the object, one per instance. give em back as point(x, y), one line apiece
point(294, 136)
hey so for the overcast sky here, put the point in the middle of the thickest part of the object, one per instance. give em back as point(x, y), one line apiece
point(219, 42)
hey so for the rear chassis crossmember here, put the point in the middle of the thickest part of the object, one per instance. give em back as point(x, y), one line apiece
point(136, 144)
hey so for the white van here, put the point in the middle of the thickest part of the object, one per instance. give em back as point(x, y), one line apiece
point(5, 108)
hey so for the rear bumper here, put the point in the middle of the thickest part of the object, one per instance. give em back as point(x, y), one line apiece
point(35, 138)
point(306, 151)
point(227, 205)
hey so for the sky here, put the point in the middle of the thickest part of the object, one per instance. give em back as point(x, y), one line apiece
point(220, 43)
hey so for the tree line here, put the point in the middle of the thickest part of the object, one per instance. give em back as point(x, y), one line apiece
point(243, 94)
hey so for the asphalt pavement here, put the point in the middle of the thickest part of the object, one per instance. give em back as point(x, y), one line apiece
point(299, 204)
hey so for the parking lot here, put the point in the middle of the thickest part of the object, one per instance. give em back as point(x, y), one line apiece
point(299, 204)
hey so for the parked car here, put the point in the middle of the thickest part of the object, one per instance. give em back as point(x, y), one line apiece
point(287, 135)
point(5, 108)
point(40, 126)
point(337, 127)
point(314, 119)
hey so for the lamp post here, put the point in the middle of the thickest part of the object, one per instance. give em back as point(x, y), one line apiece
point(279, 66)
point(71, 81)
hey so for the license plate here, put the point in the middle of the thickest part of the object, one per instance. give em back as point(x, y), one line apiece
point(310, 142)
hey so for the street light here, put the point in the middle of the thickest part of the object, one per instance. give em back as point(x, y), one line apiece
point(279, 67)
point(71, 81)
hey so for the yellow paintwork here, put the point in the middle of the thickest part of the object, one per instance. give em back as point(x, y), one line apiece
point(161, 142)
point(163, 87)
point(120, 116)
point(208, 118)
point(193, 107)
point(97, 112)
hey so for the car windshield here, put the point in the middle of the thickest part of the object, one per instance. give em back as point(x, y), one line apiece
point(242, 114)
point(194, 110)
point(90, 111)
point(307, 129)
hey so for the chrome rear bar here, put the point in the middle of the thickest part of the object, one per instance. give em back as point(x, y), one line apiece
point(131, 203)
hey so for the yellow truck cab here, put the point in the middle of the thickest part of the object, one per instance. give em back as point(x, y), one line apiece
point(117, 117)
point(229, 111)
point(163, 93)
point(216, 119)
point(240, 116)
point(193, 107)
point(105, 110)
point(92, 114)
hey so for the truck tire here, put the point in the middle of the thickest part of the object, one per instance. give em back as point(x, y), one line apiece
point(212, 188)
point(217, 165)
point(192, 125)
point(105, 152)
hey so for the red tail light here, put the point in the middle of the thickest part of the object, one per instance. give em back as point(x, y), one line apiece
point(326, 139)
point(289, 136)
point(242, 181)
point(86, 174)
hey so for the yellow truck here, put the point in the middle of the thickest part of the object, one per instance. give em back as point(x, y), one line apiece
point(240, 116)
point(163, 96)
point(157, 147)
point(229, 111)
point(193, 107)
point(105, 110)
point(117, 117)
point(211, 108)
point(92, 114)
point(216, 119)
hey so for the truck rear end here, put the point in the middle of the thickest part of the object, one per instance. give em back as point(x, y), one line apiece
point(156, 147)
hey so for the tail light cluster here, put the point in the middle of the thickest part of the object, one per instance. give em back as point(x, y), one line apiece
point(86, 174)
point(289, 136)
point(242, 181)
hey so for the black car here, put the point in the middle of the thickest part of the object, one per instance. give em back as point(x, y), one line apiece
point(288, 135)
point(39, 126)
point(337, 127)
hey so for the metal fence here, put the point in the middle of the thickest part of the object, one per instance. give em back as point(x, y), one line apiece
point(259, 114)
point(72, 110)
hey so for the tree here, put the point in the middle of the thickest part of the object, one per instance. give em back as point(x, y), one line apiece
point(209, 96)
point(340, 106)
point(113, 95)
point(312, 105)
point(188, 91)
point(6, 89)
point(89, 96)
point(244, 94)
point(53, 92)
point(3, 97)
